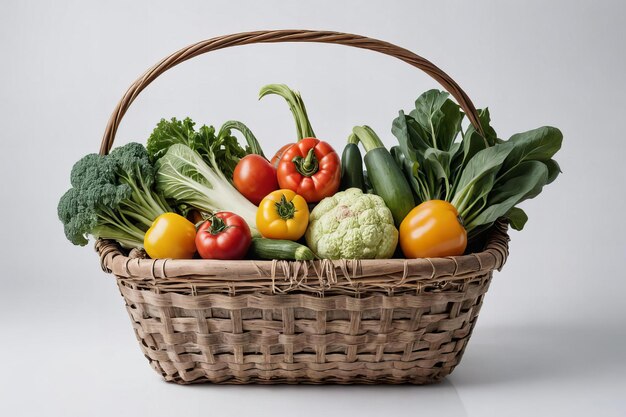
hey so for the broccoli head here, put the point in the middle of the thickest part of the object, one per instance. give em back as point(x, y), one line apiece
point(112, 197)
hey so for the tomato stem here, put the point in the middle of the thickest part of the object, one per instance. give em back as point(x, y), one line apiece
point(217, 225)
point(286, 209)
point(307, 166)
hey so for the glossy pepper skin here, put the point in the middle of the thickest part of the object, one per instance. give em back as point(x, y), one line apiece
point(432, 229)
point(224, 235)
point(170, 236)
point(311, 168)
point(283, 214)
point(276, 158)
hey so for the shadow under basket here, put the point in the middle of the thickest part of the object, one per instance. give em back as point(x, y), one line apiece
point(268, 322)
point(344, 322)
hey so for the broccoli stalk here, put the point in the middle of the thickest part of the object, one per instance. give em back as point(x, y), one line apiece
point(112, 197)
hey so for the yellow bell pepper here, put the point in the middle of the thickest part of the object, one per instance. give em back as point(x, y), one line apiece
point(170, 236)
point(282, 214)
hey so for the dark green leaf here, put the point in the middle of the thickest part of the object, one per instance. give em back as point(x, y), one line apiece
point(478, 176)
point(409, 169)
point(522, 182)
point(517, 218)
point(490, 135)
point(400, 130)
point(439, 119)
point(538, 144)
point(437, 169)
point(553, 170)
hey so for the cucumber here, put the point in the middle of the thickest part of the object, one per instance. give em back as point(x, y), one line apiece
point(385, 175)
point(262, 248)
point(352, 168)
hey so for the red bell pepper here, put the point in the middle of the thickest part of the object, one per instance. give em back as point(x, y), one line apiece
point(311, 168)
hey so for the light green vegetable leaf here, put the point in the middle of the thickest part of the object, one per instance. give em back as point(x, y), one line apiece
point(185, 177)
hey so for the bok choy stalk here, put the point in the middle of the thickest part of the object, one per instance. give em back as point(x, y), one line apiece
point(185, 177)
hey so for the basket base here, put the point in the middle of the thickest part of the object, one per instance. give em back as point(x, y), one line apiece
point(246, 339)
point(387, 374)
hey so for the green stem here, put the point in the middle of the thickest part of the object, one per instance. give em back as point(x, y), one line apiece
point(286, 209)
point(253, 143)
point(217, 225)
point(134, 213)
point(307, 166)
point(121, 224)
point(296, 105)
point(472, 216)
point(367, 137)
point(432, 131)
point(353, 139)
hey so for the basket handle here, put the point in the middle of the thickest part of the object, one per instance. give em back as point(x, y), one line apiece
point(276, 36)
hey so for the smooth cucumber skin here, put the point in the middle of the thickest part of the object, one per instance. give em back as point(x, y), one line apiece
point(262, 248)
point(389, 183)
point(352, 168)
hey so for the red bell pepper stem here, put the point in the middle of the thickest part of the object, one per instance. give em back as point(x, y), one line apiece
point(307, 166)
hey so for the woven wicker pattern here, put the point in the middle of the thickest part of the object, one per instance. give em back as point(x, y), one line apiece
point(409, 324)
point(337, 339)
point(346, 321)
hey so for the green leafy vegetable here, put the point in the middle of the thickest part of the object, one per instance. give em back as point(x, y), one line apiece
point(185, 177)
point(222, 147)
point(484, 177)
point(112, 197)
point(438, 119)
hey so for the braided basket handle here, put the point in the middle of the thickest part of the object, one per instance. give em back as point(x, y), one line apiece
point(276, 36)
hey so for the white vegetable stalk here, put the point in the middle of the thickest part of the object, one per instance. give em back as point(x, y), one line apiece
point(183, 176)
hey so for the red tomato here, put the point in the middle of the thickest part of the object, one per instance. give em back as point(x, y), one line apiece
point(276, 158)
point(311, 168)
point(224, 235)
point(255, 177)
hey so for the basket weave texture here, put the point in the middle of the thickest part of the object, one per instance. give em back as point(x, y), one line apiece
point(345, 321)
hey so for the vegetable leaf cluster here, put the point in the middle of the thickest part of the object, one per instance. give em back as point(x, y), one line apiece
point(222, 146)
point(484, 177)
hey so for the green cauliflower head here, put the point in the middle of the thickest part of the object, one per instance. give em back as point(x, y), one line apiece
point(352, 225)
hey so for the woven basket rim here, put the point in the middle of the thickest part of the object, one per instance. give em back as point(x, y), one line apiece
point(277, 275)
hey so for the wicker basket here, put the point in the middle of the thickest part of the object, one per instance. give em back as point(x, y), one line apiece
point(347, 321)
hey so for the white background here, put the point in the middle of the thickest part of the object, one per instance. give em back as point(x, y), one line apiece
point(551, 335)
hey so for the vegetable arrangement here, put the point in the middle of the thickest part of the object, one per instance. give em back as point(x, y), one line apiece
point(198, 193)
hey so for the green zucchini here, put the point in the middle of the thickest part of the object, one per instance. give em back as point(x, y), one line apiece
point(262, 248)
point(385, 175)
point(352, 166)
